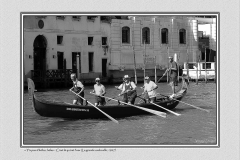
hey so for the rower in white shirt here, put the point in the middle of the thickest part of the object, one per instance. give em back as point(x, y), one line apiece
point(100, 91)
point(150, 89)
point(128, 90)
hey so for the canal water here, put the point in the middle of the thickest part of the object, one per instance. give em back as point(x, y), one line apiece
point(193, 127)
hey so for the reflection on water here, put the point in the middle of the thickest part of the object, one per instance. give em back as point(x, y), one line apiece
point(192, 127)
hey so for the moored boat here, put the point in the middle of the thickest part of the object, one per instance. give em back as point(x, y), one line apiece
point(61, 109)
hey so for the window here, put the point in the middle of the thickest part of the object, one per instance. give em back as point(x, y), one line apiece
point(190, 65)
point(59, 39)
point(207, 64)
point(76, 18)
point(90, 61)
point(106, 19)
point(164, 36)
point(182, 36)
point(104, 41)
point(146, 35)
point(126, 35)
point(90, 40)
point(60, 60)
point(60, 17)
point(91, 18)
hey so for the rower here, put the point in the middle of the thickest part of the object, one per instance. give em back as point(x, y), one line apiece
point(173, 71)
point(128, 90)
point(99, 91)
point(150, 90)
point(78, 88)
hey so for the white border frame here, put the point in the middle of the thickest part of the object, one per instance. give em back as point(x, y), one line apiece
point(126, 146)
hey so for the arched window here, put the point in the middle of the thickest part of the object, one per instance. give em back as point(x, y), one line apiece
point(125, 35)
point(146, 35)
point(164, 36)
point(182, 36)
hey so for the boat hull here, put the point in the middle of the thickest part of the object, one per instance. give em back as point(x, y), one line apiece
point(61, 109)
point(50, 109)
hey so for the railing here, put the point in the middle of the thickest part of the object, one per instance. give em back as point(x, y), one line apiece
point(198, 71)
point(52, 77)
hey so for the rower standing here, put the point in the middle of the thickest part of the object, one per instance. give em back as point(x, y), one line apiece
point(128, 90)
point(173, 71)
point(99, 91)
point(150, 89)
point(78, 88)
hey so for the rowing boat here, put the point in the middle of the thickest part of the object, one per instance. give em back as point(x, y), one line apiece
point(47, 108)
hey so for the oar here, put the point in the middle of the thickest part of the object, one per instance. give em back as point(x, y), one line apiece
point(187, 103)
point(202, 101)
point(177, 114)
point(162, 76)
point(113, 98)
point(114, 120)
point(68, 103)
point(117, 96)
point(162, 114)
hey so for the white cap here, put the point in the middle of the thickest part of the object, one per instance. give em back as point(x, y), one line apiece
point(146, 77)
point(97, 79)
point(126, 76)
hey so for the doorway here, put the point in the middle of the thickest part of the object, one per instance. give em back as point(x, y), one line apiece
point(90, 61)
point(60, 60)
point(40, 45)
point(104, 67)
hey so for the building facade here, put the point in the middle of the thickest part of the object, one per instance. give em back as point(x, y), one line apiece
point(157, 38)
point(66, 42)
point(96, 46)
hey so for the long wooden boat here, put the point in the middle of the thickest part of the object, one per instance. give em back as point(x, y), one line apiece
point(61, 109)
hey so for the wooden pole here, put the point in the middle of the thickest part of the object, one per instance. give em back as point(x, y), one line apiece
point(144, 70)
point(205, 66)
point(176, 60)
point(197, 71)
point(78, 75)
point(135, 71)
point(155, 70)
point(187, 66)
point(215, 68)
point(168, 62)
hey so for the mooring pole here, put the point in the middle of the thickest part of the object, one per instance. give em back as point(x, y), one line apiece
point(187, 66)
point(78, 67)
point(155, 69)
point(135, 70)
point(215, 68)
point(197, 70)
point(168, 63)
point(205, 65)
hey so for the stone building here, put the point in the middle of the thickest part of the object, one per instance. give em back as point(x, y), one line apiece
point(66, 42)
point(153, 37)
point(108, 47)
point(207, 29)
